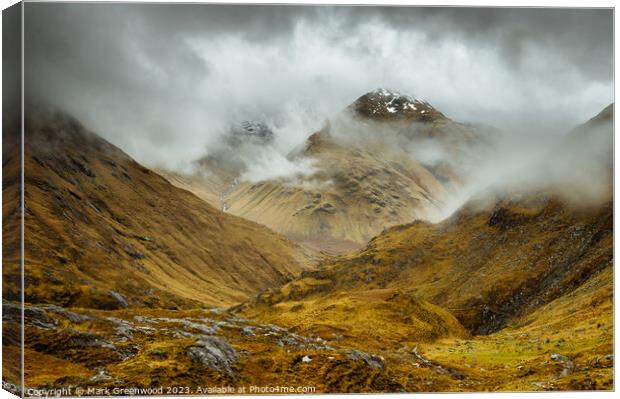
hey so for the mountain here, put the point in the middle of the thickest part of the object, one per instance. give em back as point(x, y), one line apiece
point(595, 139)
point(513, 292)
point(605, 117)
point(581, 166)
point(424, 130)
point(387, 105)
point(365, 176)
point(355, 193)
point(526, 275)
point(102, 231)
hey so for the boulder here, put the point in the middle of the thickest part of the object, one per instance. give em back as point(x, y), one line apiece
point(214, 353)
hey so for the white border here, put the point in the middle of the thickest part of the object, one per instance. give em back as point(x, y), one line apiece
point(479, 3)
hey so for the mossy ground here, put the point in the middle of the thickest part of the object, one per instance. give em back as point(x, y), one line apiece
point(518, 358)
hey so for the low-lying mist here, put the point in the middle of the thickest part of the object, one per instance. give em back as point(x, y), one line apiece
point(579, 171)
point(576, 165)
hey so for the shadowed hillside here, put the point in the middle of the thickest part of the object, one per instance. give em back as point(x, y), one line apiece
point(102, 231)
point(485, 267)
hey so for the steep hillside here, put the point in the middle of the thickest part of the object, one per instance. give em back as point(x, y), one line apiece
point(11, 233)
point(484, 266)
point(357, 191)
point(102, 231)
point(582, 165)
point(604, 117)
point(596, 134)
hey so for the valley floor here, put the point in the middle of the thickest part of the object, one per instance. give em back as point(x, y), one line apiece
point(200, 351)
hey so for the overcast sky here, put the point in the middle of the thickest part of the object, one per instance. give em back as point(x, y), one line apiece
point(163, 81)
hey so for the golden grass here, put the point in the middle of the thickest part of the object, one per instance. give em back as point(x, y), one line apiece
point(97, 222)
point(539, 277)
point(358, 190)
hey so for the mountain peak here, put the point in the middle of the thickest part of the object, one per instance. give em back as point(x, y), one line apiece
point(384, 104)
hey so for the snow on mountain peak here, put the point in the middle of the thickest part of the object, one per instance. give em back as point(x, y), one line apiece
point(389, 104)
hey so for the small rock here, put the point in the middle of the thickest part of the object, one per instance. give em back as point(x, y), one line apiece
point(143, 319)
point(134, 253)
point(83, 339)
point(123, 329)
point(200, 327)
point(120, 299)
point(181, 334)
point(74, 317)
point(203, 328)
point(306, 359)
point(33, 315)
point(374, 362)
point(559, 358)
point(565, 361)
point(247, 331)
point(100, 376)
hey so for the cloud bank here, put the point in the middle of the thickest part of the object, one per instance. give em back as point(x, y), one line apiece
point(164, 82)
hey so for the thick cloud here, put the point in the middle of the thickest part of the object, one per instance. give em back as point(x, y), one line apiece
point(164, 81)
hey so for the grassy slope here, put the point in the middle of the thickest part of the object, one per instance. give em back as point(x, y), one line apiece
point(97, 221)
point(534, 273)
point(357, 191)
point(151, 349)
point(485, 267)
point(577, 325)
point(11, 223)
